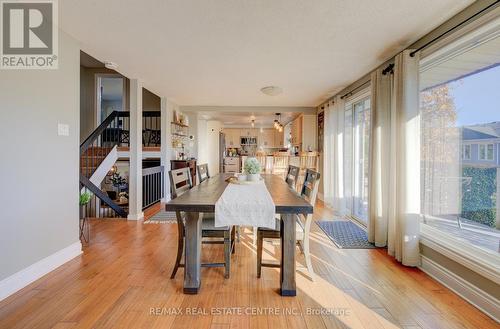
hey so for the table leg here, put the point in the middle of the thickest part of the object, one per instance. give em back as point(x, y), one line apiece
point(192, 269)
point(288, 243)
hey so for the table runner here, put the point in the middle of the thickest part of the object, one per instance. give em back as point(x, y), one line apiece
point(245, 205)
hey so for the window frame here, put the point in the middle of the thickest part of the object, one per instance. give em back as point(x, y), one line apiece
point(358, 97)
point(482, 261)
point(463, 152)
point(486, 158)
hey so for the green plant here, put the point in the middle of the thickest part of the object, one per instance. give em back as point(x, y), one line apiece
point(252, 166)
point(118, 181)
point(85, 198)
point(479, 198)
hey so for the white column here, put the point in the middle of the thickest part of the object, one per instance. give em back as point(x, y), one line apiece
point(135, 175)
point(166, 144)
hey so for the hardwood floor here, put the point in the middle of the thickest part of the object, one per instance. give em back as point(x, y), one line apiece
point(122, 281)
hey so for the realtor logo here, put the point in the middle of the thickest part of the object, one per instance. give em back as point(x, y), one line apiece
point(28, 34)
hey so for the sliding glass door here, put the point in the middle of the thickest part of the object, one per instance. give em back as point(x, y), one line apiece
point(356, 157)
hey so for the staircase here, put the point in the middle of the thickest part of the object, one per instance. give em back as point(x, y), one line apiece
point(98, 153)
point(94, 151)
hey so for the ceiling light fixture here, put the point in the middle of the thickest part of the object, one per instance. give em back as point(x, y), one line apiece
point(277, 123)
point(271, 90)
point(110, 65)
point(253, 123)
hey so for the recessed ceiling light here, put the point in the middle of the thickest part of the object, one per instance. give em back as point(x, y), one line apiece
point(271, 90)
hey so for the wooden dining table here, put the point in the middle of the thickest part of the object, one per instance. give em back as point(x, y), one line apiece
point(202, 199)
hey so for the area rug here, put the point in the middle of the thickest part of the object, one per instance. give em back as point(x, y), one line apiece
point(162, 217)
point(345, 234)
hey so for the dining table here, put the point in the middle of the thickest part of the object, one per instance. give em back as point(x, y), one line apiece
point(202, 199)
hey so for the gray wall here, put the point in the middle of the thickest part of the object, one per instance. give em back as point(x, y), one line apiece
point(39, 169)
point(150, 102)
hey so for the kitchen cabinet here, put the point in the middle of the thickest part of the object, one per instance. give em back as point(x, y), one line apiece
point(278, 138)
point(232, 137)
point(266, 138)
point(303, 132)
point(251, 132)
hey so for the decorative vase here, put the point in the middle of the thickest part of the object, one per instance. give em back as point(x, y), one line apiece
point(253, 177)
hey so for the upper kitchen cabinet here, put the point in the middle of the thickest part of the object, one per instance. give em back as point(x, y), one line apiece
point(248, 132)
point(266, 138)
point(232, 137)
point(278, 138)
point(303, 132)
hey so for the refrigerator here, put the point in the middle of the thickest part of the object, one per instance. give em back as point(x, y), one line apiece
point(222, 151)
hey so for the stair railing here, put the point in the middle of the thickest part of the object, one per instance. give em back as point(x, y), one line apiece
point(113, 131)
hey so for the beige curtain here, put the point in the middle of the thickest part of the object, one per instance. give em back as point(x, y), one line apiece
point(394, 205)
point(333, 159)
point(329, 155)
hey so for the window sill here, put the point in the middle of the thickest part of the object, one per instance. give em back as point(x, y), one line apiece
point(481, 261)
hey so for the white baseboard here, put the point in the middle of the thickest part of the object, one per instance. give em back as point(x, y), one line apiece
point(21, 279)
point(138, 216)
point(480, 299)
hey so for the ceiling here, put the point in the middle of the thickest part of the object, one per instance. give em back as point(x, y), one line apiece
point(200, 52)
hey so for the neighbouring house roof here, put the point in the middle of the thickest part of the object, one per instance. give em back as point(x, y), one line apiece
point(486, 131)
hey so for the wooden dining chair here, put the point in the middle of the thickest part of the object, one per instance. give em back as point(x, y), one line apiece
point(291, 179)
point(180, 182)
point(309, 192)
point(292, 175)
point(203, 174)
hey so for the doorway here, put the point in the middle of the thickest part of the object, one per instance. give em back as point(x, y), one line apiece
point(110, 95)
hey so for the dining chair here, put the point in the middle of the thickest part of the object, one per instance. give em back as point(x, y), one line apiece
point(180, 182)
point(309, 192)
point(292, 175)
point(291, 178)
point(203, 174)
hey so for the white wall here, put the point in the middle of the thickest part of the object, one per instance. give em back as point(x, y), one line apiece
point(213, 130)
point(39, 169)
point(201, 141)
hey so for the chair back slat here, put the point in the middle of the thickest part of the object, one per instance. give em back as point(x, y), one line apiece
point(309, 160)
point(310, 187)
point(180, 181)
point(203, 174)
point(292, 176)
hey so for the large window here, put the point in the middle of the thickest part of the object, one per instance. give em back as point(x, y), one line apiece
point(356, 156)
point(460, 138)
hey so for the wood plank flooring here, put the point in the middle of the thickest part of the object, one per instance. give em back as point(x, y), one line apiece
point(122, 281)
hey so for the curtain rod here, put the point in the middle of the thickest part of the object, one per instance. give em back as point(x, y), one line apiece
point(412, 54)
point(388, 70)
point(355, 89)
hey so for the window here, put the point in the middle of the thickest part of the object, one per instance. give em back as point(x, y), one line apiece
point(356, 156)
point(460, 167)
point(486, 152)
point(466, 152)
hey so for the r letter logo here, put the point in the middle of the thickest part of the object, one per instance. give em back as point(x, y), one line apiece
point(28, 35)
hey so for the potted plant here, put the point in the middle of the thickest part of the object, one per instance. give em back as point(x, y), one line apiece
point(84, 200)
point(252, 169)
point(119, 182)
